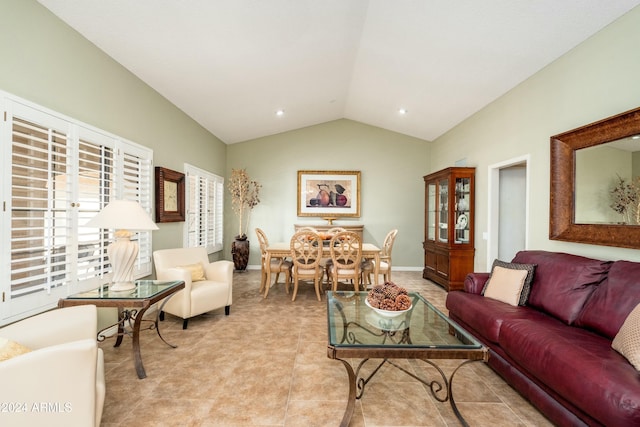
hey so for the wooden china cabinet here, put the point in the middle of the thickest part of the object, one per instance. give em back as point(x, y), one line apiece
point(448, 226)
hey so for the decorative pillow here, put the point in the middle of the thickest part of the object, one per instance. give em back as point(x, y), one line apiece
point(9, 349)
point(505, 285)
point(627, 340)
point(511, 281)
point(196, 270)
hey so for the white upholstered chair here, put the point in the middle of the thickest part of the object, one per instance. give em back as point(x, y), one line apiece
point(211, 292)
point(65, 367)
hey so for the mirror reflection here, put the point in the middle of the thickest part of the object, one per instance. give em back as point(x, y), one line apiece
point(607, 183)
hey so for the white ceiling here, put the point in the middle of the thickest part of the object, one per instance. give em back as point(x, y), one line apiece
point(230, 64)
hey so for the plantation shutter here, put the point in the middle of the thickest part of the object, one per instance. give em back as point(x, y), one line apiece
point(219, 208)
point(61, 174)
point(96, 184)
point(137, 167)
point(204, 209)
point(40, 240)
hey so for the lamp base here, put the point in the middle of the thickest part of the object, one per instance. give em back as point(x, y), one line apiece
point(122, 286)
point(123, 253)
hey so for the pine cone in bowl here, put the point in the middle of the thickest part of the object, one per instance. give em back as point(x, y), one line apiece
point(389, 296)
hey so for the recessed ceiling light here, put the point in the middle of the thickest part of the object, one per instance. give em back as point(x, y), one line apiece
point(403, 111)
point(280, 113)
point(635, 137)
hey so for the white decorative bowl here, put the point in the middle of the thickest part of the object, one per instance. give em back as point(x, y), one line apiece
point(387, 313)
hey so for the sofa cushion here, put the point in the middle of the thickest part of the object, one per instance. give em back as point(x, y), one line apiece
point(579, 365)
point(612, 301)
point(562, 282)
point(485, 315)
point(509, 282)
point(505, 285)
point(627, 340)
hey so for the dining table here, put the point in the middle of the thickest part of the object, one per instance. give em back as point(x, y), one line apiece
point(283, 249)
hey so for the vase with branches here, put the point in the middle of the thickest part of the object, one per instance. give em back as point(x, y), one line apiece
point(245, 195)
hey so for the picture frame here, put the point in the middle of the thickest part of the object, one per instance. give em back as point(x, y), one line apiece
point(170, 203)
point(329, 194)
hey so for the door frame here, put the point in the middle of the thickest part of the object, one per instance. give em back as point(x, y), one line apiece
point(493, 210)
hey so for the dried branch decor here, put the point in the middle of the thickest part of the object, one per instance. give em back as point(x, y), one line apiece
point(245, 195)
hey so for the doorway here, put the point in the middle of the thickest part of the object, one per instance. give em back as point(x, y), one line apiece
point(508, 212)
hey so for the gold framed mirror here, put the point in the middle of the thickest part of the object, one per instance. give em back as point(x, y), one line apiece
point(610, 134)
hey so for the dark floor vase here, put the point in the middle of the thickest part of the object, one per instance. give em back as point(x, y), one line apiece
point(240, 252)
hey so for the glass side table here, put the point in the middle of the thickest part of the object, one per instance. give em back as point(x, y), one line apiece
point(131, 307)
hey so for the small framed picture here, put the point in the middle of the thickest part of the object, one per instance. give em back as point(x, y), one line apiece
point(169, 195)
point(329, 193)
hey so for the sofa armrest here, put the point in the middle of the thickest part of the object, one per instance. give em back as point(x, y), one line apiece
point(474, 282)
point(54, 327)
point(55, 385)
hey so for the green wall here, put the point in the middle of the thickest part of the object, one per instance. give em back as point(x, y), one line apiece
point(595, 80)
point(392, 190)
point(46, 62)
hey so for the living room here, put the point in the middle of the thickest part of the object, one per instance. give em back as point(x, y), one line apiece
point(48, 63)
point(593, 81)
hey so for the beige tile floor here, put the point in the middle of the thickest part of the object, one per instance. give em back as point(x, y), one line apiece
point(266, 365)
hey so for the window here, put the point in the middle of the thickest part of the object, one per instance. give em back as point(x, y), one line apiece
point(60, 174)
point(205, 194)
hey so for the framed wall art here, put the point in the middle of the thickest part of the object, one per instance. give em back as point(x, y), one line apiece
point(169, 195)
point(329, 193)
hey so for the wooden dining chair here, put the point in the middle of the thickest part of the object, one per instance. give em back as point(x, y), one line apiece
point(368, 265)
point(326, 262)
point(346, 258)
point(306, 252)
point(277, 265)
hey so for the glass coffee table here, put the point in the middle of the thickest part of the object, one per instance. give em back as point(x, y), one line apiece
point(357, 331)
point(131, 306)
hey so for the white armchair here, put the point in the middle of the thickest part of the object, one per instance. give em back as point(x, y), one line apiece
point(200, 296)
point(60, 382)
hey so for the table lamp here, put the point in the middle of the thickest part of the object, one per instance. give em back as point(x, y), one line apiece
point(125, 216)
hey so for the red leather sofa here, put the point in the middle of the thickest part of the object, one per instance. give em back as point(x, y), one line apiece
point(556, 351)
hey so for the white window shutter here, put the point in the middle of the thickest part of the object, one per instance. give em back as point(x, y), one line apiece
point(204, 209)
point(61, 174)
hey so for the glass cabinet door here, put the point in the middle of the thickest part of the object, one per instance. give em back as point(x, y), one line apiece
point(462, 210)
point(431, 211)
point(443, 210)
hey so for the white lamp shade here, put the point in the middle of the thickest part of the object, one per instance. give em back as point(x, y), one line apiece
point(123, 215)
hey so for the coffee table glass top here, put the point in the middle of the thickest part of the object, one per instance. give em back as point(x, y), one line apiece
point(352, 323)
point(144, 289)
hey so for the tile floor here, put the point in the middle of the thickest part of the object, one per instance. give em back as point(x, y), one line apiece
point(266, 365)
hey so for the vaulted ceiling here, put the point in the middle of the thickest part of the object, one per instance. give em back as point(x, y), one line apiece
point(232, 64)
